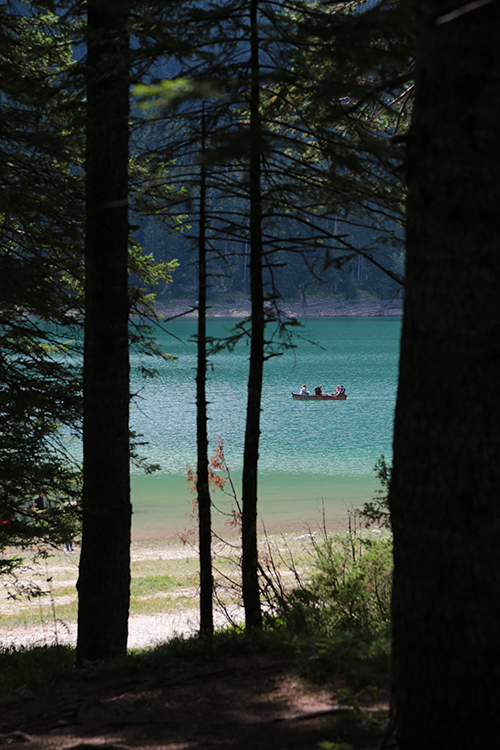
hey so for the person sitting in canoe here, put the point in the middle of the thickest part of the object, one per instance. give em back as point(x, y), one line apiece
point(304, 391)
point(339, 390)
point(318, 391)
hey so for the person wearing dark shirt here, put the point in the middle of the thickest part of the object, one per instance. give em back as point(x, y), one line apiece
point(39, 502)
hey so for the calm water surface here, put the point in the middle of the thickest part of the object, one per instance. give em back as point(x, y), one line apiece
point(315, 456)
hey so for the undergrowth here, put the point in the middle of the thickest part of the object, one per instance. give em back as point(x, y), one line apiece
point(340, 617)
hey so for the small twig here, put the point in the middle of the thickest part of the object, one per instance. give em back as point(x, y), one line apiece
point(467, 8)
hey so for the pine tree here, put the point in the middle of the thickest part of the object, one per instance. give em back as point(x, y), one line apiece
point(41, 270)
point(203, 483)
point(446, 475)
point(104, 580)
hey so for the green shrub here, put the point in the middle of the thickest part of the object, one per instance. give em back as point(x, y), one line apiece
point(349, 591)
point(354, 587)
point(341, 616)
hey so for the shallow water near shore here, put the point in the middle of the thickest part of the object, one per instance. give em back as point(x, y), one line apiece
point(316, 458)
point(288, 501)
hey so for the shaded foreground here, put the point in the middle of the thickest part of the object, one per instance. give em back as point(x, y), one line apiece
point(306, 682)
point(241, 702)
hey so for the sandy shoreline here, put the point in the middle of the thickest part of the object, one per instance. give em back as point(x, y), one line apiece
point(145, 630)
point(44, 625)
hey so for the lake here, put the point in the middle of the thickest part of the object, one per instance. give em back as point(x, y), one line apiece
point(316, 457)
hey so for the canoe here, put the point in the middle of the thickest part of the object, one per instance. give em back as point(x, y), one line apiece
point(324, 397)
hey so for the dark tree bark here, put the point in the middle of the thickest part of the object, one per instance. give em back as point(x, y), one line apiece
point(104, 580)
point(251, 597)
point(446, 478)
point(203, 488)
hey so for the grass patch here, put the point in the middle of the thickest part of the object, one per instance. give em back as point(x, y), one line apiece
point(163, 605)
point(152, 585)
point(63, 591)
point(226, 642)
point(39, 670)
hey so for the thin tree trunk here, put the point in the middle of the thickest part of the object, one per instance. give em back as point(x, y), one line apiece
point(203, 488)
point(104, 580)
point(445, 485)
point(251, 597)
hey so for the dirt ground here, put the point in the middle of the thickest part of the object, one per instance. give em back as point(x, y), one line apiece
point(247, 703)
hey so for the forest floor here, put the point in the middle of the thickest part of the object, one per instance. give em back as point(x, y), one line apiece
point(235, 702)
point(248, 703)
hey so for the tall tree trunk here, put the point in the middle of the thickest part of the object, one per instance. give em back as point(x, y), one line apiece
point(251, 598)
point(203, 489)
point(446, 478)
point(104, 580)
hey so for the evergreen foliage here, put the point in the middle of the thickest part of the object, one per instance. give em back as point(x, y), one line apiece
point(330, 182)
point(40, 273)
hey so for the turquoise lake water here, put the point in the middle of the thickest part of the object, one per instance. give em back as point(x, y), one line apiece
point(315, 457)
